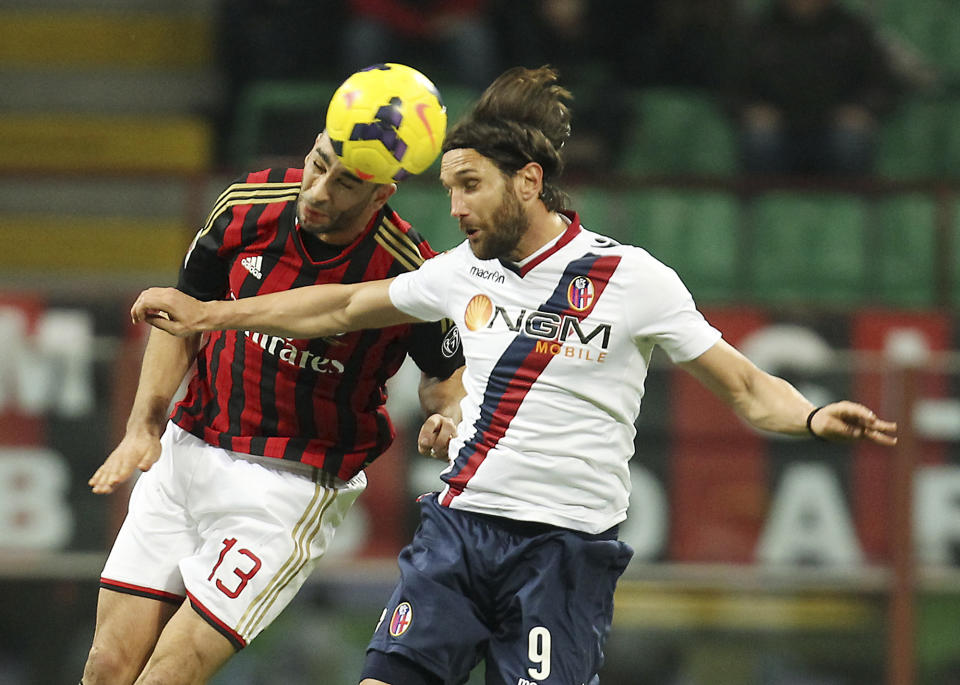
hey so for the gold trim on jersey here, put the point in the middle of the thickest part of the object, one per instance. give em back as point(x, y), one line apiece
point(303, 533)
point(249, 193)
point(399, 244)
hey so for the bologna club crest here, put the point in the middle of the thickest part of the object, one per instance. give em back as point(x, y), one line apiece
point(580, 293)
point(401, 619)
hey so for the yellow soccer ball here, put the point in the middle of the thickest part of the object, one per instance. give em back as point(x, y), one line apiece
point(387, 122)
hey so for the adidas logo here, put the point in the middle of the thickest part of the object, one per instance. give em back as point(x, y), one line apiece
point(253, 264)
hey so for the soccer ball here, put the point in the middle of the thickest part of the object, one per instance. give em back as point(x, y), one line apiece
point(386, 122)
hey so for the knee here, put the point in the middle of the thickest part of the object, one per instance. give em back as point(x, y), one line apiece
point(107, 666)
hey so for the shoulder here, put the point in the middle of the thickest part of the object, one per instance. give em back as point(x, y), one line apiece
point(260, 187)
point(395, 235)
point(639, 269)
point(634, 259)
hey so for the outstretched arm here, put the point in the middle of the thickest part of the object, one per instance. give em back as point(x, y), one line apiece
point(440, 400)
point(309, 312)
point(770, 403)
point(166, 361)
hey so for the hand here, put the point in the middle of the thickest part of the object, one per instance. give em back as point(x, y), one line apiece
point(849, 421)
point(169, 310)
point(435, 435)
point(137, 450)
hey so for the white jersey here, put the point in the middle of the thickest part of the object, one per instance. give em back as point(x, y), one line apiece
point(557, 350)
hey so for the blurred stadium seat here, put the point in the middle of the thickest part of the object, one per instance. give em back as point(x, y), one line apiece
point(694, 232)
point(954, 260)
point(905, 239)
point(808, 249)
point(423, 203)
point(104, 142)
point(931, 27)
point(910, 140)
point(276, 118)
point(679, 131)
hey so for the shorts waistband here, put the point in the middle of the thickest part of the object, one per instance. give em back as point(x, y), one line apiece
point(532, 528)
point(315, 474)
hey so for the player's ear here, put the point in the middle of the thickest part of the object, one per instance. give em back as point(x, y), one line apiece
point(528, 181)
point(383, 193)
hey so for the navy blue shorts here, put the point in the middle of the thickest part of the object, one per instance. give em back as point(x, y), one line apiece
point(534, 601)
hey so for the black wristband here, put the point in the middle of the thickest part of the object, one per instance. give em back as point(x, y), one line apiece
point(810, 424)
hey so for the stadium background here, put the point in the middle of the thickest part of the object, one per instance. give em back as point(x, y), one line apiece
point(760, 561)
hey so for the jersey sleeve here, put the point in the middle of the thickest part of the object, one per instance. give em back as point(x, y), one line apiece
point(204, 271)
point(664, 313)
point(435, 348)
point(420, 293)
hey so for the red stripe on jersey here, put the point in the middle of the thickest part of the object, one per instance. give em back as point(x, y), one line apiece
point(525, 366)
point(572, 230)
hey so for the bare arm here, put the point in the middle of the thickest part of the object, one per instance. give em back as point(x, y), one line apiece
point(770, 403)
point(166, 361)
point(440, 400)
point(309, 312)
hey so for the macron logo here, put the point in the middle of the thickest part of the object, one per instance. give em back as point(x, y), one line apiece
point(253, 264)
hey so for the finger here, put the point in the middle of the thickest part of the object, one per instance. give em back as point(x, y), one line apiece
point(427, 438)
point(881, 438)
point(165, 324)
point(885, 426)
point(102, 483)
point(431, 425)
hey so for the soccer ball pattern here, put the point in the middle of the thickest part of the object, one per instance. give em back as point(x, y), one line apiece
point(386, 122)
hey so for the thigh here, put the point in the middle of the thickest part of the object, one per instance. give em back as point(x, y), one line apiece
point(189, 651)
point(127, 630)
point(432, 617)
point(158, 531)
point(262, 532)
point(556, 611)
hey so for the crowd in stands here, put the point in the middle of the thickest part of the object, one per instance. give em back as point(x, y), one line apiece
point(805, 84)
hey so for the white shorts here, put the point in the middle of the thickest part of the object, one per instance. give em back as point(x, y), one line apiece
point(237, 534)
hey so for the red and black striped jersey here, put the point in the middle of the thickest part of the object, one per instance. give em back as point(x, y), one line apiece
point(318, 401)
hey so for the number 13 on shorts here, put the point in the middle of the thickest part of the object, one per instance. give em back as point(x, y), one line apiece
point(247, 565)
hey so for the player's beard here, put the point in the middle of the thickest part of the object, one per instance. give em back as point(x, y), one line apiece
point(508, 222)
point(337, 224)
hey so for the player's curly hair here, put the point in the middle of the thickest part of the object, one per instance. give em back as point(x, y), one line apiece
point(521, 117)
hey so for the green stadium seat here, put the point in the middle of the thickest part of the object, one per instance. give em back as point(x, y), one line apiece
point(679, 131)
point(426, 207)
point(954, 273)
point(458, 99)
point(910, 140)
point(950, 139)
point(694, 232)
point(278, 117)
point(600, 210)
point(808, 249)
point(905, 233)
point(931, 27)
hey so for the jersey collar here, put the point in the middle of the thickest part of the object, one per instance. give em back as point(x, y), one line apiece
point(572, 230)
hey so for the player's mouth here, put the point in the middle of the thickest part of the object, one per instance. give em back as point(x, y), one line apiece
point(314, 216)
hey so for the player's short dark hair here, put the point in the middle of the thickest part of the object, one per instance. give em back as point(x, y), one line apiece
point(521, 117)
